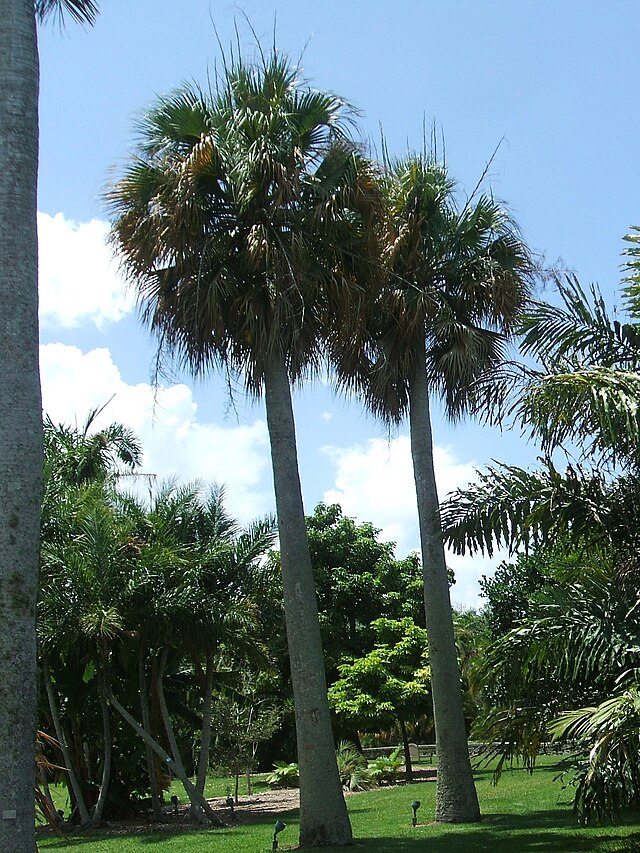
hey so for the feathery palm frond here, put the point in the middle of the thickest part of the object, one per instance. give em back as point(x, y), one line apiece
point(82, 11)
point(579, 331)
point(512, 507)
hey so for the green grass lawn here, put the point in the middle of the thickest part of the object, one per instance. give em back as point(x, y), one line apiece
point(523, 814)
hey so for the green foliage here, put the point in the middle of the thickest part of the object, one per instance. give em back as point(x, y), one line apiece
point(240, 724)
point(606, 775)
point(138, 597)
point(389, 683)
point(387, 769)
point(515, 587)
point(357, 581)
point(354, 773)
point(284, 775)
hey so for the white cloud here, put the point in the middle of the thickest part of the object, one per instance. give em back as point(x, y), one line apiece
point(175, 442)
point(78, 278)
point(374, 482)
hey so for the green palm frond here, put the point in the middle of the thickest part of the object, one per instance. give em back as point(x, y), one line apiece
point(608, 778)
point(511, 507)
point(243, 220)
point(631, 266)
point(579, 331)
point(455, 279)
point(82, 11)
point(595, 407)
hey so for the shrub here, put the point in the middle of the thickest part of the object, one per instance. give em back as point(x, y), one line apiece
point(387, 769)
point(284, 775)
point(352, 767)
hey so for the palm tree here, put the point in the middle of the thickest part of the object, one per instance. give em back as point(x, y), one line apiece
point(242, 222)
point(20, 413)
point(582, 400)
point(457, 281)
point(204, 570)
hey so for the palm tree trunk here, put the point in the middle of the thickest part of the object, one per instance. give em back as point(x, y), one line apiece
point(323, 814)
point(106, 766)
point(64, 748)
point(189, 787)
point(456, 800)
point(205, 736)
point(20, 421)
point(146, 724)
point(408, 767)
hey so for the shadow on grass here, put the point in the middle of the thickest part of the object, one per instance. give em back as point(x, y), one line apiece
point(552, 830)
point(490, 841)
point(166, 832)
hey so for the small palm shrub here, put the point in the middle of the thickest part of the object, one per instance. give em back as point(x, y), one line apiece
point(353, 769)
point(284, 775)
point(387, 769)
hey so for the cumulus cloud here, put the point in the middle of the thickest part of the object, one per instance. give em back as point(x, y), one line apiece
point(78, 278)
point(374, 482)
point(176, 443)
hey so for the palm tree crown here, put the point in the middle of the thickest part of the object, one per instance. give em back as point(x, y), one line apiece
point(232, 215)
point(457, 282)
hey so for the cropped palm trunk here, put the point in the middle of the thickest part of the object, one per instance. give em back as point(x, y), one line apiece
point(20, 421)
point(74, 785)
point(106, 765)
point(177, 769)
point(205, 733)
point(323, 813)
point(146, 725)
point(456, 799)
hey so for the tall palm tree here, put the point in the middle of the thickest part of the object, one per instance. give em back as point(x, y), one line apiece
point(456, 283)
point(242, 222)
point(20, 412)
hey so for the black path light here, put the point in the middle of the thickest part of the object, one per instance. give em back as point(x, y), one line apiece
point(229, 802)
point(415, 805)
point(280, 825)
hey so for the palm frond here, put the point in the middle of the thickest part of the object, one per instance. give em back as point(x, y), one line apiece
point(81, 11)
point(511, 507)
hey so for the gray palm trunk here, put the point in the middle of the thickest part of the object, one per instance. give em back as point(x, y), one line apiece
point(198, 803)
point(74, 785)
point(205, 734)
point(146, 725)
point(20, 421)
point(96, 817)
point(177, 769)
point(323, 814)
point(456, 799)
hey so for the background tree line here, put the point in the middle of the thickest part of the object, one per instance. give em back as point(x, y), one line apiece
point(161, 636)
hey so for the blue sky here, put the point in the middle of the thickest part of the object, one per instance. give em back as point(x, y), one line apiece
point(554, 85)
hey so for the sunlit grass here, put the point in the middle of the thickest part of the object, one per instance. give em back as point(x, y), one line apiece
point(523, 814)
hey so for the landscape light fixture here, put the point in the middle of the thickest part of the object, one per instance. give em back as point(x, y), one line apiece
point(230, 803)
point(415, 805)
point(174, 801)
point(278, 828)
